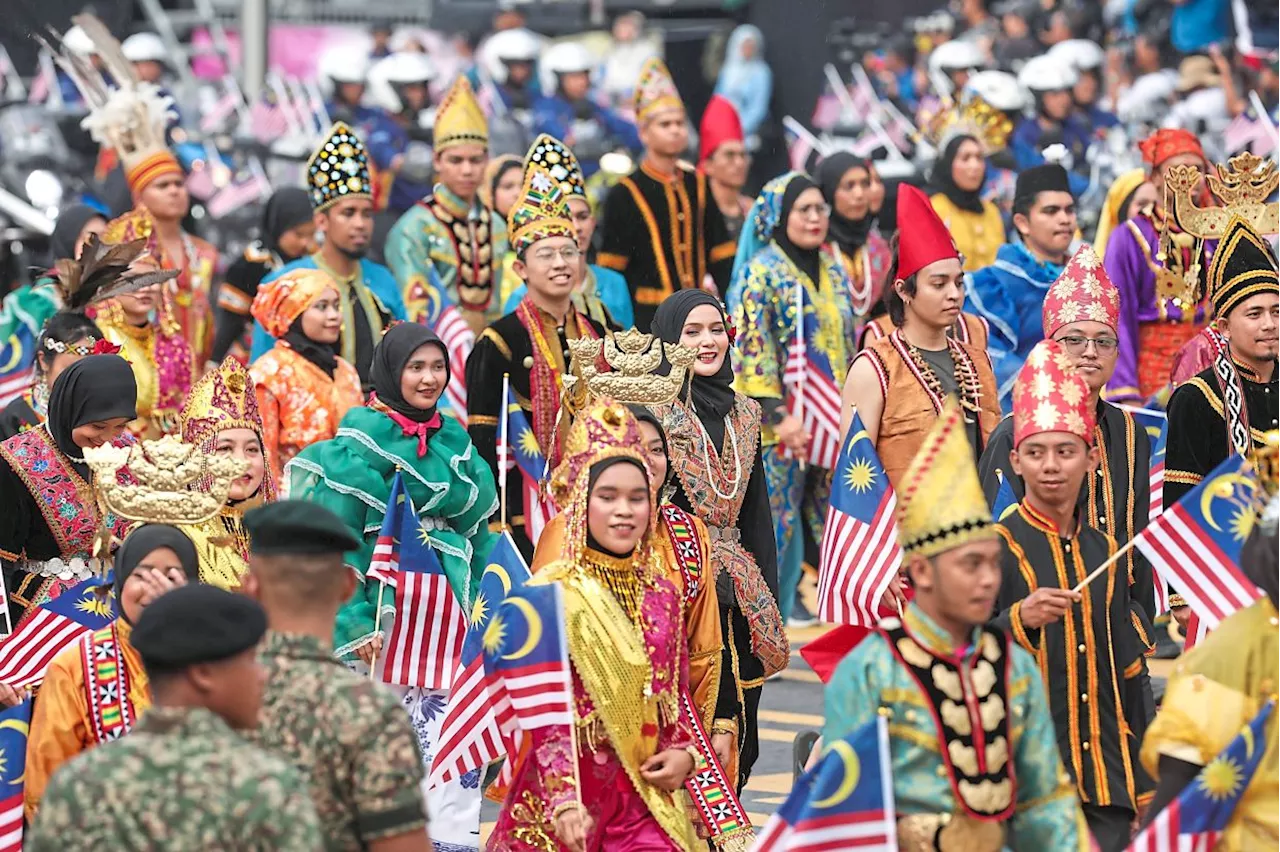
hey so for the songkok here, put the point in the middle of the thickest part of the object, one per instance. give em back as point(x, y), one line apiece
point(1082, 292)
point(720, 124)
point(540, 211)
point(1243, 266)
point(282, 300)
point(922, 237)
point(553, 155)
point(1037, 179)
point(655, 91)
point(459, 120)
point(297, 527)
point(940, 503)
point(1050, 396)
point(195, 624)
point(1169, 142)
point(339, 169)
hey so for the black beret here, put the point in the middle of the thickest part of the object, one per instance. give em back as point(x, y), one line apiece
point(296, 526)
point(1037, 179)
point(197, 624)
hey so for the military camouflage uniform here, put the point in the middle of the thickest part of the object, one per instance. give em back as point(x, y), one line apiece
point(351, 737)
point(181, 780)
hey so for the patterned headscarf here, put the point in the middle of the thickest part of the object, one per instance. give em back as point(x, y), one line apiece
point(282, 300)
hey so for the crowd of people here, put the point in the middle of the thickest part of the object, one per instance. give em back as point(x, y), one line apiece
point(645, 398)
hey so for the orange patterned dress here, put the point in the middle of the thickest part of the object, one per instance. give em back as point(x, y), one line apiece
point(300, 405)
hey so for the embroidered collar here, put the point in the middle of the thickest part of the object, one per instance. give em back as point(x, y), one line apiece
point(296, 646)
point(1249, 374)
point(1044, 523)
point(927, 632)
point(452, 202)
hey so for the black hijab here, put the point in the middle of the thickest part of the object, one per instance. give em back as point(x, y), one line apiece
point(98, 387)
point(323, 355)
point(389, 360)
point(144, 541)
point(66, 232)
point(849, 234)
point(942, 180)
point(593, 475)
point(286, 209)
point(808, 261)
point(712, 395)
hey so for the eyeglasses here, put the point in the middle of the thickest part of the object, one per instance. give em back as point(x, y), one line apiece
point(571, 254)
point(1076, 344)
point(818, 210)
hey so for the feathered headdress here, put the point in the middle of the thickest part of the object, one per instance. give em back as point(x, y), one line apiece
point(130, 116)
point(103, 271)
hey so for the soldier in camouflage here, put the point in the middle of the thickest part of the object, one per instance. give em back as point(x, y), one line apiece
point(183, 779)
point(350, 736)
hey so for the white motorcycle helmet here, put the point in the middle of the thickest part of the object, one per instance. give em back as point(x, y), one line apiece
point(998, 89)
point(1080, 53)
point(144, 47)
point(567, 57)
point(398, 69)
point(957, 55)
point(1046, 73)
point(77, 41)
point(516, 45)
point(343, 64)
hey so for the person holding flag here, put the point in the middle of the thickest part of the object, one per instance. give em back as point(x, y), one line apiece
point(790, 298)
point(899, 384)
point(713, 437)
point(1088, 630)
point(971, 743)
point(609, 780)
point(531, 344)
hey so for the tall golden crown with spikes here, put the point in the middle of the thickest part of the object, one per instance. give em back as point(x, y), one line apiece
point(222, 399)
point(632, 357)
point(164, 472)
point(976, 118)
point(460, 120)
point(1243, 185)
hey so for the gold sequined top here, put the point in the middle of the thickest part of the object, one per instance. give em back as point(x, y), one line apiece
point(222, 546)
point(623, 576)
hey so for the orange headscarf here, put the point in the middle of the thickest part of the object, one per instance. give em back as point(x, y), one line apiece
point(282, 300)
point(1166, 143)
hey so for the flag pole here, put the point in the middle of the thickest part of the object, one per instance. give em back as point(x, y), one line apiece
point(800, 383)
point(504, 442)
point(1115, 557)
point(377, 628)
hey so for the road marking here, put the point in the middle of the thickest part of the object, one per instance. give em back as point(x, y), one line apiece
point(807, 719)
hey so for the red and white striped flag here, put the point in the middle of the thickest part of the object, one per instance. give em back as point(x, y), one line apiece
point(458, 340)
point(15, 724)
point(13, 385)
point(25, 654)
point(814, 396)
point(529, 680)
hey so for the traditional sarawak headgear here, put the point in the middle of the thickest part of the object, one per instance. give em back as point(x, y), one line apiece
point(1050, 396)
point(1166, 143)
point(103, 271)
point(975, 117)
point(1243, 266)
point(540, 211)
point(940, 503)
point(224, 399)
point(459, 119)
point(720, 124)
point(1082, 292)
point(655, 91)
point(283, 299)
point(339, 169)
point(922, 237)
point(554, 156)
point(126, 114)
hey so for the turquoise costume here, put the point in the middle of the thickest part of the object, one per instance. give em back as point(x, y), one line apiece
point(1009, 294)
point(872, 680)
point(762, 303)
point(22, 317)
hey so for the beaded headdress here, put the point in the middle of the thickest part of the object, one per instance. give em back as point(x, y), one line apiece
point(339, 169)
point(655, 90)
point(224, 399)
point(940, 503)
point(1050, 396)
point(1082, 292)
point(460, 120)
point(554, 156)
point(540, 211)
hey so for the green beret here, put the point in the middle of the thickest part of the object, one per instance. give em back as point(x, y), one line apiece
point(197, 624)
point(296, 526)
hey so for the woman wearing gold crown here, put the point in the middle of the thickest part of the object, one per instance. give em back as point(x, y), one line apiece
point(50, 519)
point(402, 431)
point(714, 442)
point(611, 782)
point(95, 690)
point(221, 416)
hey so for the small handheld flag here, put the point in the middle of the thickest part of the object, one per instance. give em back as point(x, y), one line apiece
point(15, 725)
point(1005, 499)
point(1158, 450)
point(518, 447)
point(526, 657)
point(25, 654)
point(813, 395)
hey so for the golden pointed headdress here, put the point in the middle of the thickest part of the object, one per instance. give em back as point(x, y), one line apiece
point(940, 502)
point(655, 91)
point(459, 120)
point(603, 430)
point(224, 399)
point(339, 169)
point(976, 118)
point(540, 211)
point(166, 477)
point(1243, 185)
point(554, 156)
point(633, 358)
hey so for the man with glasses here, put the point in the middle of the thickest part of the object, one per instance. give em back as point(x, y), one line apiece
point(530, 344)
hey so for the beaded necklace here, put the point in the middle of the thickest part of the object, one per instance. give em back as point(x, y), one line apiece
point(966, 374)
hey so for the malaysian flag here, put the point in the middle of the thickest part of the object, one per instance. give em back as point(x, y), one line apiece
point(1195, 821)
point(814, 395)
point(427, 634)
point(1195, 544)
point(518, 448)
point(469, 736)
point(845, 802)
point(268, 120)
point(17, 351)
point(1156, 504)
point(860, 551)
point(526, 657)
point(239, 193)
point(15, 724)
point(25, 655)
point(447, 322)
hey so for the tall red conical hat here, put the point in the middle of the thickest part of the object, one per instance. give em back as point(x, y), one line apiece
point(922, 238)
point(720, 124)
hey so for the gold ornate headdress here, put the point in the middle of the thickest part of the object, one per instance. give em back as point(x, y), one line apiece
point(633, 357)
point(976, 118)
point(163, 471)
point(224, 399)
point(460, 120)
point(1243, 185)
point(604, 429)
point(655, 90)
point(540, 211)
point(339, 169)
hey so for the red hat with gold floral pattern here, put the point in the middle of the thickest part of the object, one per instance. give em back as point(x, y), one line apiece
point(1082, 292)
point(1050, 396)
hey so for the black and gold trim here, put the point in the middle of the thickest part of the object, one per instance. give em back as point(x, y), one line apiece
point(1242, 266)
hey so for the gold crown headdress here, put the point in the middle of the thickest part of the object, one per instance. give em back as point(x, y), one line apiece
point(460, 120)
point(1243, 185)
point(602, 430)
point(633, 358)
point(976, 118)
point(540, 211)
point(163, 472)
point(655, 90)
point(223, 399)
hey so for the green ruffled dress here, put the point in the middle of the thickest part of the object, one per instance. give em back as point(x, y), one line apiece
point(451, 487)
